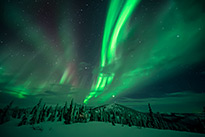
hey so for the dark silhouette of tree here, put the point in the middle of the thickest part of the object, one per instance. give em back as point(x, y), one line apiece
point(35, 113)
point(25, 119)
point(6, 114)
point(69, 115)
point(53, 115)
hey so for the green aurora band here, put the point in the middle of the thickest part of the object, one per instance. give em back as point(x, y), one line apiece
point(111, 40)
point(159, 48)
point(139, 48)
point(32, 33)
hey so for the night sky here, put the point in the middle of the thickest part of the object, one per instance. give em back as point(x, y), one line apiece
point(130, 52)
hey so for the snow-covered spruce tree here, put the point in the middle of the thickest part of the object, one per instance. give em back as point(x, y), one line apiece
point(161, 122)
point(41, 117)
point(143, 120)
point(59, 113)
point(139, 122)
point(53, 115)
point(15, 112)
point(74, 116)
point(150, 109)
point(72, 108)
point(104, 115)
point(25, 119)
point(133, 120)
point(165, 124)
point(156, 121)
point(82, 114)
point(50, 117)
point(125, 118)
point(91, 114)
point(21, 113)
point(129, 120)
point(65, 110)
point(113, 118)
point(151, 119)
point(77, 114)
point(35, 113)
point(86, 116)
point(69, 116)
point(6, 114)
point(62, 112)
point(49, 111)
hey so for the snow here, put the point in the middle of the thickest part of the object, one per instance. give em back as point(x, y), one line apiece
point(91, 129)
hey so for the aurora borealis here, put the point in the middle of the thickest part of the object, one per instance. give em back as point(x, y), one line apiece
point(127, 51)
point(109, 56)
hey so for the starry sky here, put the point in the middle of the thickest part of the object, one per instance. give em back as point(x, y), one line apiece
point(131, 52)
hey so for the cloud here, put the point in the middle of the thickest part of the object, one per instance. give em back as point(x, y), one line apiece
point(173, 102)
point(29, 101)
point(178, 94)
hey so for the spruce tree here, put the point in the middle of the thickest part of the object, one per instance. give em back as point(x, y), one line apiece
point(5, 116)
point(35, 113)
point(69, 115)
point(25, 119)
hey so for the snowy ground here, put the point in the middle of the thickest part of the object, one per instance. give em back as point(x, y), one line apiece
point(91, 129)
